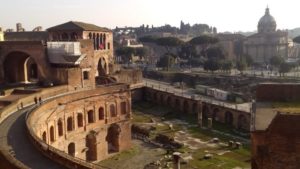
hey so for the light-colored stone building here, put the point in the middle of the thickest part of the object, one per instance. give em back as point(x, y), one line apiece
point(1, 35)
point(268, 42)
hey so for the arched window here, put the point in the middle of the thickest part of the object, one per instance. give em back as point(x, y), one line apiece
point(44, 136)
point(108, 45)
point(70, 124)
point(94, 40)
point(90, 35)
point(80, 120)
point(52, 134)
point(97, 41)
point(112, 110)
point(65, 37)
point(101, 41)
point(71, 149)
point(123, 107)
point(104, 41)
point(101, 113)
point(91, 116)
point(74, 36)
point(60, 127)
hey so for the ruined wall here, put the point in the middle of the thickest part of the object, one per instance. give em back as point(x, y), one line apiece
point(76, 117)
point(232, 117)
point(277, 92)
point(129, 76)
point(279, 146)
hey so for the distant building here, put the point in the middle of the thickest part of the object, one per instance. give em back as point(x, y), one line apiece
point(232, 44)
point(267, 42)
point(1, 35)
point(20, 28)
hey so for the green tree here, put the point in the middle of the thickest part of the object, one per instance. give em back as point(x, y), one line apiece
point(141, 52)
point(297, 39)
point(204, 40)
point(166, 61)
point(212, 65)
point(215, 52)
point(276, 61)
point(284, 68)
point(169, 42)
point(226, 65)
point(148, 39)
point(249, 60)
point(241, 65)
point(126, 53)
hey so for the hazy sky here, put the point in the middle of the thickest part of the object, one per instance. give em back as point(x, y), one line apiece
point(226, 15)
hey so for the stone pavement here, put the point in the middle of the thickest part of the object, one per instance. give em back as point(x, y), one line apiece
point(14, 139)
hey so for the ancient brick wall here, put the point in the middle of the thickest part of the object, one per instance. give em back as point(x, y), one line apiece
point(279, 146)
point(74, 118)
point(277, 92)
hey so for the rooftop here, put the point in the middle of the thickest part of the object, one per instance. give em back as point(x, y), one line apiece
point(81, 26)
point(266, 112)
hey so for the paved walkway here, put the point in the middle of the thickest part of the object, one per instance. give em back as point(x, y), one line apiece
point(14, 139)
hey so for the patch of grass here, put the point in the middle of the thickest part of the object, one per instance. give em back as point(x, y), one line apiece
point(291, 107)
point(227, 161)
point(138, 117)
point(125, 155)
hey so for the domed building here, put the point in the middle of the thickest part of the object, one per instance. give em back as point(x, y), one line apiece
point(267, 42)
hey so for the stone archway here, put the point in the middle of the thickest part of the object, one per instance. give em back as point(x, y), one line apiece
point(229, 118)
point(186, 107)
point(242, 122)
point(169, 101)
point(215, 116)
point(19, 67)
point(113, 138)
point(195, 108)
point(205, 112)
point(71, 149)
point(102, 67)
point(91, 144)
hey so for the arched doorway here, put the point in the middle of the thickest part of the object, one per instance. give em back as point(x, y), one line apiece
point(91, 144)
point(195, 108)
point(91, 116)
point(205, 112)
point(71, 149)
point(44, 136)
point(229, 118)
point(112, 138)
point(215, 116)
point(60, 127)
point(20, 67)
point(102, 67)
point(186, 107)
point(177, 103)
point(101, 113)
point(169, 101)
point(242, 122)
point(52, 134)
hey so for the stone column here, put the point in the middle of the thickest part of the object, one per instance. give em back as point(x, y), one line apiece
point(199, 108)
point(176, 160)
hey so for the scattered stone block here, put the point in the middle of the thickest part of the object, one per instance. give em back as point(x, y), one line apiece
point(208, 156)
